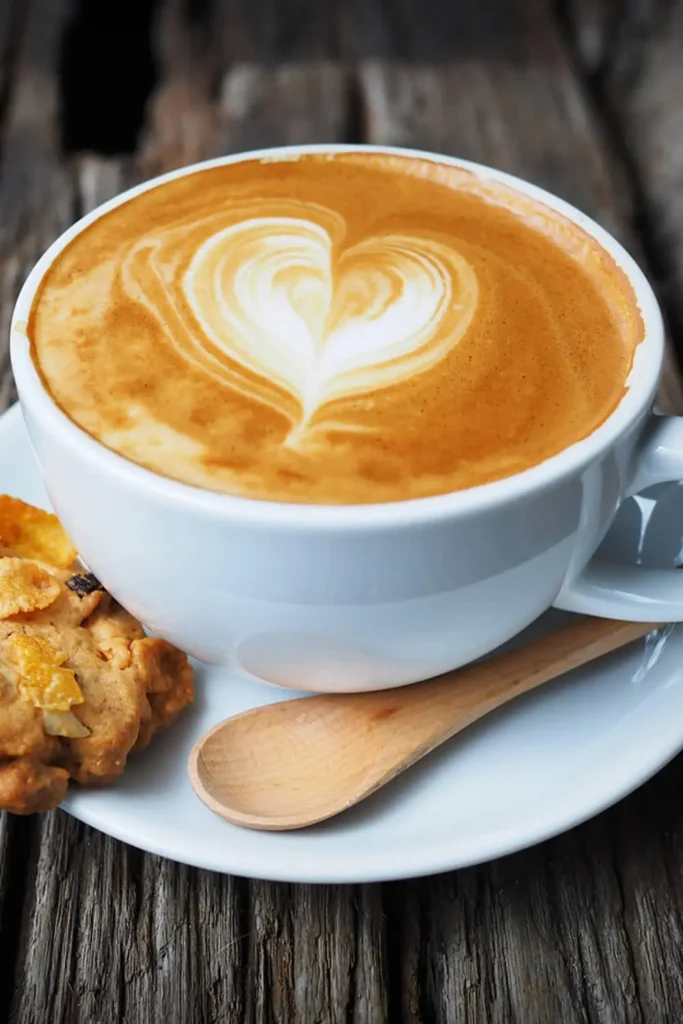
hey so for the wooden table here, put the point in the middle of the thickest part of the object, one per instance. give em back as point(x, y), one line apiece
point(585, 99)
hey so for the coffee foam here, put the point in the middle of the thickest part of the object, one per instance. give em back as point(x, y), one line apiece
point(347, 329)
point(277, 298)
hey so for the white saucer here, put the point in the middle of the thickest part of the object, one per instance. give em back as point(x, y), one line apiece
point(534, 769)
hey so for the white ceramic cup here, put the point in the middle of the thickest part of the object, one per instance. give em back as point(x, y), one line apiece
point(369, 596)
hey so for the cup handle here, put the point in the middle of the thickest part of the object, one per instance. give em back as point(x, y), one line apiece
point(627, 591)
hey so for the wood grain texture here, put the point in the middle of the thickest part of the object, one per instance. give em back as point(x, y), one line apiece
point(99, 178)
point(35, 205)
point(36, 194)
point(12, 25)
point(610, 36)
point(181, 114)
point(316, 953)
point(583, 929)
point(593, 26)
point(110, 935)
point(16, 836)
point(241, 97)
point(644, 91)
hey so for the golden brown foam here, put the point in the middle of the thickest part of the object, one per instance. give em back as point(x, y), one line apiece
point(335, 329)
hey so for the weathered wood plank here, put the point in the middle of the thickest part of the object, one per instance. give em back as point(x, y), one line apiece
point(638, 82)
point(181, 118)
point(317, 953)
point(221, 103)
point(523, 112)
point(38, 199)
point(610, 36)
point(34, 207)
point(99, 178)
point(289, 105)
point(14, 833)
point(273, 32)
point(113, 936)
point(593, 26)
point(585, 929)
point(15, 844)
point(645, 93)
point(36, 193)
point(53, 920)
point(647, 838)
point(12, 25)
point(546, 935)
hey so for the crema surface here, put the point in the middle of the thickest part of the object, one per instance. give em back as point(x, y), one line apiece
point(336, 329)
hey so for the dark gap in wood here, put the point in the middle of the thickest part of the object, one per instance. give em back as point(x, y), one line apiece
point(294, 34)
point(617, 12)
point(627, 24)
point(77, 205)
point(393, 910)
point(244, 924)
point(122, 1001)
point(135, 862)
point(107, 72)
point(352, 994)
point(355, 115)
point(654, 259)
point(572, 15)
point(17, 870)
point(632, 965)
point(427, 1010)
point(252, 967)
point(198, 10)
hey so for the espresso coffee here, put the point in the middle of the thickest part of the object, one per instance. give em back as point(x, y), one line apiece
point(335, 328)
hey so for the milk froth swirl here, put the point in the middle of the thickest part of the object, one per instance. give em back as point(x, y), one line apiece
point(334, 329)
point(269, 288)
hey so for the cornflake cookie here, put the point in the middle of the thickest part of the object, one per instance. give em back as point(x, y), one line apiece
point(81, 686)
point(31, 532)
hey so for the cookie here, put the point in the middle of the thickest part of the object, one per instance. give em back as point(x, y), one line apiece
point(81, 685)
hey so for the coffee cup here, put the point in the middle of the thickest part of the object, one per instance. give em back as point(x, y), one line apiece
point(353, 597)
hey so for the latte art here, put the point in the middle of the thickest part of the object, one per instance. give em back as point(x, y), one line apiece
point(277, 307)
point(334, 329)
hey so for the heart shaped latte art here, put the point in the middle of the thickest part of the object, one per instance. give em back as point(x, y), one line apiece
point(276, 305)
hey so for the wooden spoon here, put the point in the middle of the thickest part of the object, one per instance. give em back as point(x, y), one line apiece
point(292, 764)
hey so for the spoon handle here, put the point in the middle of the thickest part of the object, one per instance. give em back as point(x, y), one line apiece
point(443, 706)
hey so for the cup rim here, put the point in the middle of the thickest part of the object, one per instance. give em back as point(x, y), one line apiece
point(640, 385)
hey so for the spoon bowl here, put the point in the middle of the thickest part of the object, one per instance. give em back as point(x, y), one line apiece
point(275, 766)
